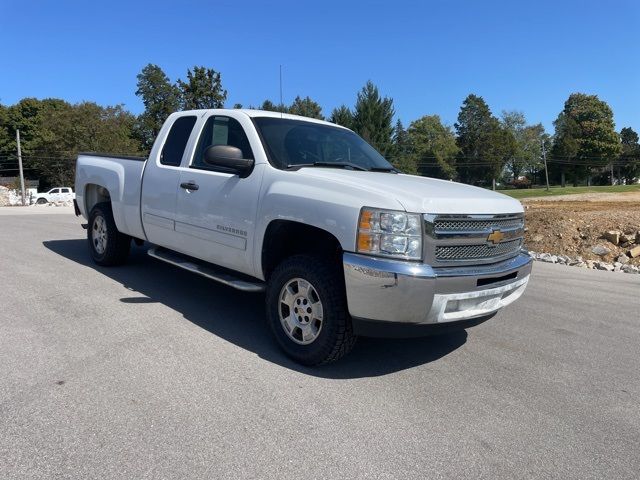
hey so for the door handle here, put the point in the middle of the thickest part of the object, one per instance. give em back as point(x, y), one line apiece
point(189, 186)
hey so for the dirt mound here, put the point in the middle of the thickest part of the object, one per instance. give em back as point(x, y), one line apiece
point(573, 228)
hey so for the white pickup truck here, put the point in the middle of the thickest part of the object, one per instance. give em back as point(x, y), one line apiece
point(57, 194)
point(307, 211)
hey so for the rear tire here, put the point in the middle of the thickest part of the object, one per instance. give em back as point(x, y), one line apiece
point(107, 245)
point(307, 310)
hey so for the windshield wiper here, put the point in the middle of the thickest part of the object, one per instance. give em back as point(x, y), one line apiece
point(384, 169)
point(346, 165)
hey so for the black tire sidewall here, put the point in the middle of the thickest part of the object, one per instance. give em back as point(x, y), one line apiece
point(118, 244)
point(330, 289)
point(96, 212)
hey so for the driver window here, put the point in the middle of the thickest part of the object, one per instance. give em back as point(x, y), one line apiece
point(220, 131)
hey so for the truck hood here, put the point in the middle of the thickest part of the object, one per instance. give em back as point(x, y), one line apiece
point(421, 194)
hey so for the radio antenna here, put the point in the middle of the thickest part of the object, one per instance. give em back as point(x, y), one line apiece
point(281, 104)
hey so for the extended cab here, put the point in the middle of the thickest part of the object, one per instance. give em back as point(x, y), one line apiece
point(307, 211)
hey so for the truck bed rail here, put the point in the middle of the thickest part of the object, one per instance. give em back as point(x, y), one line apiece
point(114, 155)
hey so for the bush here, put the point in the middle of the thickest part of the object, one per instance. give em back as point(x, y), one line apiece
point(523, 182)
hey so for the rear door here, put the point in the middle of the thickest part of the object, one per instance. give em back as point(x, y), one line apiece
point(160, 182)
point(216, 221)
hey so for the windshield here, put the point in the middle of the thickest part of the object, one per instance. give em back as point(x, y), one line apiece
point(292, 143)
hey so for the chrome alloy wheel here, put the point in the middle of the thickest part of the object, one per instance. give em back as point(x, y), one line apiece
point(99, 234)
point(300, 311)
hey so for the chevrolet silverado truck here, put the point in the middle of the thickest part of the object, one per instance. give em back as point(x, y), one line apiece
point(308, 212)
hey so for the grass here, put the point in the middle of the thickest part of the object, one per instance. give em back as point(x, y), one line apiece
point(542, 192)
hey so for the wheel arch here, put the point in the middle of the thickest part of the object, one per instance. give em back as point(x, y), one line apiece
point(285, 238)
point(94, 194)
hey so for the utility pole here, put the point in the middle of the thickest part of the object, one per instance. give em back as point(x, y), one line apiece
point(20, 166)
point(612, 182)
point(546, 170)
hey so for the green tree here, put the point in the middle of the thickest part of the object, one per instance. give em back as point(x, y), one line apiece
point(306, 107)
point(629, 156)
point(269, 106)
point(485, 146)
point(342, 115)
point(585, 136)
point(434, 147)
point(5, 137)
point(203, 89)
point(53, 131)
point(526, 158)
point(372, 118)
point(160, 98)
point(69, 129)
point(401, 156)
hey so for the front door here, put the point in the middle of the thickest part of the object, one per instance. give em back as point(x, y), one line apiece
point(215, 213)
point(54, 195)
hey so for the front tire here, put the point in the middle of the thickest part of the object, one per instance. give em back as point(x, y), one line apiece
point(107, 245)
point(307, 310)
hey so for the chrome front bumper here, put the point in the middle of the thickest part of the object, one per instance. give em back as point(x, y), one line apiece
point(392, 291)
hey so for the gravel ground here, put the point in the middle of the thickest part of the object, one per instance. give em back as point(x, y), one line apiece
point(146, 371)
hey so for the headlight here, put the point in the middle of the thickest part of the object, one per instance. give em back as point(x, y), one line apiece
point(390, 234)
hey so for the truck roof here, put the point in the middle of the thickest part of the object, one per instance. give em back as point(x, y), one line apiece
point(262, 113)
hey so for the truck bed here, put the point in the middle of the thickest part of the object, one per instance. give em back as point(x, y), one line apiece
point(122, 176)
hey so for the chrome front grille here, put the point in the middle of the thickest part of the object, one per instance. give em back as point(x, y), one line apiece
point(468, 252)
point(472, 239)
point(443, 226)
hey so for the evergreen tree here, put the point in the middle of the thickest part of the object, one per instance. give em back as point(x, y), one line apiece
point(630, 155)
point(373, 117)
point(401, 157)
point(269, 106)
point(203, 89)
point(306, 107)
point(342, 116)
point(484, 145)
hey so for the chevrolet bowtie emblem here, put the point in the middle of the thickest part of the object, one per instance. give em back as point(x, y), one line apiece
point(495, 237)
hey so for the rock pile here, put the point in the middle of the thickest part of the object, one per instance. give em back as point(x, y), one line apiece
point(621, 263)
point(629, 241)
point(4, 196)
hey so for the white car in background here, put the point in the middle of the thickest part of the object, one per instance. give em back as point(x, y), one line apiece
point(57, 194)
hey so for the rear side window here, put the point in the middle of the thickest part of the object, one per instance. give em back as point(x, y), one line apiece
point(177, 141)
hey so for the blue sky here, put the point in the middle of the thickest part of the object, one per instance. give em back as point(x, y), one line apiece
point(427, 56)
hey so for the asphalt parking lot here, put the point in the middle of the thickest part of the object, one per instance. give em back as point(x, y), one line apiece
point(146, 371)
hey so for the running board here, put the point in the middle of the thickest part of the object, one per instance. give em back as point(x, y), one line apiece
point(205, 269)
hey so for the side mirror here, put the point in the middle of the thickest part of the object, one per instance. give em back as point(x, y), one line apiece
point(228, 159)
